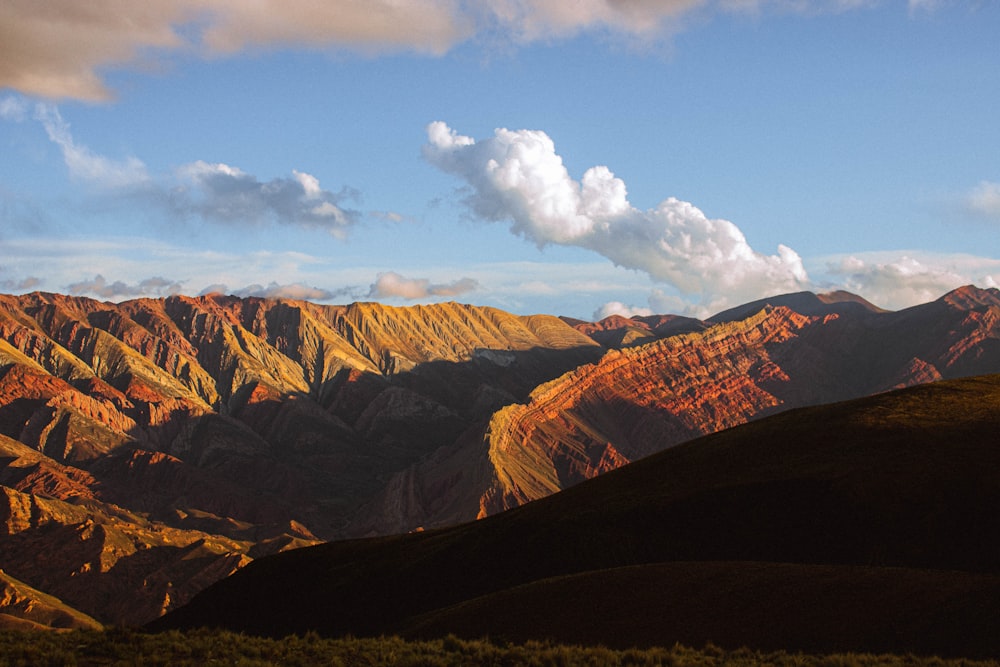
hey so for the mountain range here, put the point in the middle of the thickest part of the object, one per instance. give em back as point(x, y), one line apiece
point(153, 447)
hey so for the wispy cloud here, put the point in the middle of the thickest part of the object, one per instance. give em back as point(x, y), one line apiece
point(296, 291)
point(517, 176)
point(58, 48)
point(20, 285)
point(84, 164)
point(900, 279)
point(984, 200)
point(14, 108)
point(213, 192)
point(101, 288)
point(393, 285)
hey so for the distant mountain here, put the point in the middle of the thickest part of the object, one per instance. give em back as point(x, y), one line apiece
point(617, 331)
point(865, 526)
point(637, 401)
point(160, 444)
point(804, 303)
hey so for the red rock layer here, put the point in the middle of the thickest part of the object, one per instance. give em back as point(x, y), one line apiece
point(153, 446)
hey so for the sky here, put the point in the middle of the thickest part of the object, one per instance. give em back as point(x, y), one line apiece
point(578, 158)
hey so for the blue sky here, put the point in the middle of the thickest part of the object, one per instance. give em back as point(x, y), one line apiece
point(577, 159)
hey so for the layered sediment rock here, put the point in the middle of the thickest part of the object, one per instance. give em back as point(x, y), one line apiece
point(154, 446)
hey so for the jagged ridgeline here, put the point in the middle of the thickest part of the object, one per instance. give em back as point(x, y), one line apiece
point(151, 447)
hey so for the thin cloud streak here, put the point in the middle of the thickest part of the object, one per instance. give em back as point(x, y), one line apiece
point(984, 200)
point(392, 285)
point(900, 279)
point(85, 165)
point(295, 291)
point(100, 287)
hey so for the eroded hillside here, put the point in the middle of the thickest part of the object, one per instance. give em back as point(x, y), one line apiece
point(151, 447)
point(158, 445)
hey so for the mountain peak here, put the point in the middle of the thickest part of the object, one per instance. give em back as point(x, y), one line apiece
point(803, 303)
point(970, 296)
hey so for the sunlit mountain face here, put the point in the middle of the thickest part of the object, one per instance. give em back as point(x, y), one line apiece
point(158, 445)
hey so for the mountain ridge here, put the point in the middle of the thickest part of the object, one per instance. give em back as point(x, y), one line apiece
point(260, 425)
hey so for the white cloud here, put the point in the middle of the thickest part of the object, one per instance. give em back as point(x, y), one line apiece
point(13, 108)
point(57, 48)
point(391, 284)
point(83, 164)
point(214, 192)
point(897, 280)
point(68, 261)
point(20, 285)
point(531, 20)
point(984, 200)
point(924, 5)
point(220, 193)
point(149, 287)
point(296, 291)
point(517, 176)
point(619, 308)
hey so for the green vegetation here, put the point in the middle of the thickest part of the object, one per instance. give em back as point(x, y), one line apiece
point(201, 647)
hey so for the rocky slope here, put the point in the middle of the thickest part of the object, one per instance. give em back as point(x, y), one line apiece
point(150, 447)
point(645, 398)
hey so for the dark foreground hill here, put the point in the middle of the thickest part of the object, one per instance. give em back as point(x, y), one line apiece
point(868, 525)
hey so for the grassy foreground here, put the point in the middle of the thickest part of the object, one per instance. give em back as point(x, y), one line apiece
point(201, 647)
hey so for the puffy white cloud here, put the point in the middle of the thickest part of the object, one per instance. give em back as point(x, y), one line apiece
point(902, 279)
point(391, 284)
point(517, 176)
point(150, 287)
point(220, 193)
point(984, 200)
